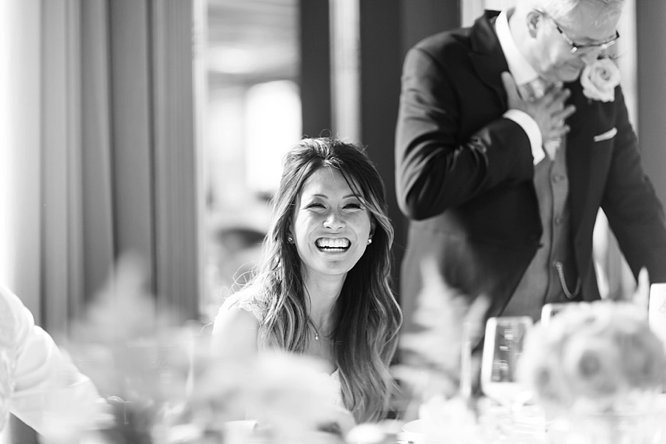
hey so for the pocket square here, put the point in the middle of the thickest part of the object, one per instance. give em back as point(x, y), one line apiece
point(605, 136)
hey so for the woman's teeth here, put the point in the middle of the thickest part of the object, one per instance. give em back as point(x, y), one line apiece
point(333, 244)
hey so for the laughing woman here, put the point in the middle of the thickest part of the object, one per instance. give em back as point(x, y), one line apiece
point(323, 287)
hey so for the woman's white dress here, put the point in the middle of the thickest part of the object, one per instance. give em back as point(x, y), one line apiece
point(246, 301)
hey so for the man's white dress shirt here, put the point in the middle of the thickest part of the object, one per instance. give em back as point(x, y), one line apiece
point(39, 383)
point(523, 73)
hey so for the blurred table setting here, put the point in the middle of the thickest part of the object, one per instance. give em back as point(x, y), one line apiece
point(587, 372)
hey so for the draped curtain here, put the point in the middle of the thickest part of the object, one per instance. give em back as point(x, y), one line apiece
point(119, 163)
point(101, 152)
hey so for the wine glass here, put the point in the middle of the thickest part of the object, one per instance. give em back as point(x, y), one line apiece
point(503, 346)
point(513, 419)
point(657, 311)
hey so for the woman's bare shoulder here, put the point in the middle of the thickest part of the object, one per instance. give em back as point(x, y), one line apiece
point(247, 300)
point(239, 307)
point(237, 322)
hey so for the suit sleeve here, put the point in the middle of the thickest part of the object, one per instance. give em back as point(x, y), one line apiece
point(439, 163)
point(634, 212)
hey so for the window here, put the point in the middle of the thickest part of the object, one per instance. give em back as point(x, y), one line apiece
point(252, 116)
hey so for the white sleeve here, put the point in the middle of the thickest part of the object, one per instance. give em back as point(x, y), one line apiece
point(529, 125)
point(49, 394)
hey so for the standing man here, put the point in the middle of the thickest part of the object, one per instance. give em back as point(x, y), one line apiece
point(511, 135)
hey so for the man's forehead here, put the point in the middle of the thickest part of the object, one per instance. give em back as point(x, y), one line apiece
point(590, 23)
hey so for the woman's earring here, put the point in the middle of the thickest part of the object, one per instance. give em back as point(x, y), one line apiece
point(290, 239)
point(369, 240)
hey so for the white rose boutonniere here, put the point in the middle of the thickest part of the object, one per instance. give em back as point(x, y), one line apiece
point(599, 80)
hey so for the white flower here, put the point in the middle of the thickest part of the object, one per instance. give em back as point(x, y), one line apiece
point(592, 365)
point(599, 80)
point(291, 392)
point(593, 356)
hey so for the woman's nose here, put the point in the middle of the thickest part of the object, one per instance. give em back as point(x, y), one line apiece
point(334, 221)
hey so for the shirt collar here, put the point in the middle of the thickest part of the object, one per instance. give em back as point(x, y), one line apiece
point(519, 67)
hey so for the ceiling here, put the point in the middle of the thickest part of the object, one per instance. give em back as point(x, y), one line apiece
point(249, 39)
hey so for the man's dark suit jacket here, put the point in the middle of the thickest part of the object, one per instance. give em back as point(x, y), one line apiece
point(464, 174)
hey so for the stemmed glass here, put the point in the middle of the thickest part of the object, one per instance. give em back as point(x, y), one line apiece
point(657, 310)
point(502, 348)
point(503, 345)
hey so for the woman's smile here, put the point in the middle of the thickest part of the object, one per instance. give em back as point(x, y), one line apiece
point(331, 225)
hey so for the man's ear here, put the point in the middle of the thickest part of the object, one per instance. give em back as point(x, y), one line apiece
point(533, 20)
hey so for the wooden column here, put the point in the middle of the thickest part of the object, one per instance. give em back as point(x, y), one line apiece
point(388, 29)
point(315, 71)
point(650, 38)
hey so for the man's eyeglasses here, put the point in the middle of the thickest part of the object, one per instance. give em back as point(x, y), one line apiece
point(583, 48)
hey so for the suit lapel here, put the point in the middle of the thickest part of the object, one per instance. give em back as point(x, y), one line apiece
point(578, 157)
point(487, 57)
point(585, 161)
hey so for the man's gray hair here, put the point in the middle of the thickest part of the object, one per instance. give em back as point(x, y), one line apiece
point(561, 8)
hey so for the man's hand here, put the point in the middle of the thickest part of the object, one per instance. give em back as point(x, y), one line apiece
point(548, 111)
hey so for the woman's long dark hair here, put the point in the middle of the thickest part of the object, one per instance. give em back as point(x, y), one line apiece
point(366, 314)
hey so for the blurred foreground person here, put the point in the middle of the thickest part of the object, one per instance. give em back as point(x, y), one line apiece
point(38, 382)
point(323, 287)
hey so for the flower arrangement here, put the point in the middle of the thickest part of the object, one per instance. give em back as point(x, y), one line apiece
point(597, 357)
point(599, 79)
point(167, 385)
